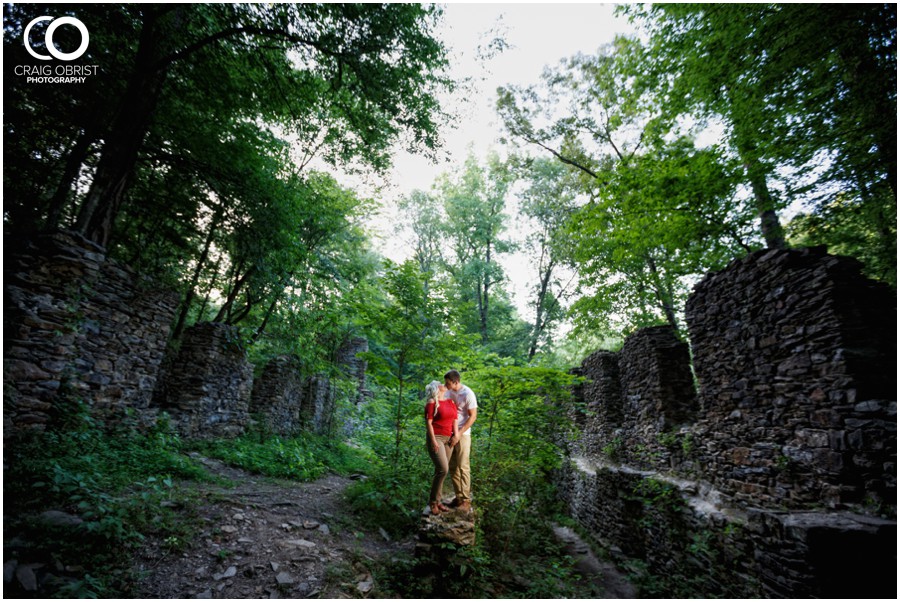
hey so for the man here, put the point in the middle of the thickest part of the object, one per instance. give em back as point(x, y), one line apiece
point(461, 443)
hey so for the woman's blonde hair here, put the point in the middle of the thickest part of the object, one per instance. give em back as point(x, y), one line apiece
point(432, 393)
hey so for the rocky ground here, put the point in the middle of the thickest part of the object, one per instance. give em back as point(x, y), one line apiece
point(268, 538)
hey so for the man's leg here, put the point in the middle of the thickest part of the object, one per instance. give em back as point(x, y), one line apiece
point(460, 472)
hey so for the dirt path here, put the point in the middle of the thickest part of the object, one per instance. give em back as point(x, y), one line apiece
point(604, 576)
point(266, 538)
point(269, 538)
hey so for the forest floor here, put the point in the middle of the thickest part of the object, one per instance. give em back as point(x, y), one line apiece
point(270, 538)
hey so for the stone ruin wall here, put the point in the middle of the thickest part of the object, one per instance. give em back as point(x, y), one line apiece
point(796, 357)
point(208, 385)
point(768, 480)
point(209, 389)
point(290, 402)
point(278, 396)
point(78, 325)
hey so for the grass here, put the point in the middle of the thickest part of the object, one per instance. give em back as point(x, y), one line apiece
point(305, 457)
point(119, 486)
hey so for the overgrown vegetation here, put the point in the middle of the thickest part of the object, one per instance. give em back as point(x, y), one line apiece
point(114, 488)
point(515, 446)
point(305, 457)
point(188, 158)
point(108, 490)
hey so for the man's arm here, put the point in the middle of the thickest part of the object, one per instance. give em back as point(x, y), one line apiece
point(473, 414)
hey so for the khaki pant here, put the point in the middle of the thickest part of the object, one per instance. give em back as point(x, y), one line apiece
point(460, 473)
point(440, 465)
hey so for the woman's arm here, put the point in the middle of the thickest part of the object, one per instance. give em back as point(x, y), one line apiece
point(430, 429)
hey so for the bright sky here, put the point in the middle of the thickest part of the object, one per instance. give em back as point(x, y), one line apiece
point(538, 35)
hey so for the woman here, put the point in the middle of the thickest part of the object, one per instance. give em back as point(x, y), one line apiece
point(440, 426)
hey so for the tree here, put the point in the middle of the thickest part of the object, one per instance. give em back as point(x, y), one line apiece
point(796, 86)
point(548, 201)
point(847, 228)
point(423, 217)
point(659, 222)
point(50, 130)
point(655, 200)
point(474, 201)
point(407, 335)
point(361, 74)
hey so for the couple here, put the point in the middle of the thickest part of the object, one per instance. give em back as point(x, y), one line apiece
point(450, 411)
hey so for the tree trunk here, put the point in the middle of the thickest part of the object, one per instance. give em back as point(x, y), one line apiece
point(74, 161)
point(483, 303)
point(123, 141)
point(265, 320)
point(765, 205)
point(539, 311)
point(212, 285)
point(191, 293)
point(663, 294)
point(399, 425)
point(229, 302)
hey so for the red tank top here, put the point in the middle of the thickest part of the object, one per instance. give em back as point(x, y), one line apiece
point(443, 423)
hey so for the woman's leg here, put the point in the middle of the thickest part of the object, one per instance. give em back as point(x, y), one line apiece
point(439, 458)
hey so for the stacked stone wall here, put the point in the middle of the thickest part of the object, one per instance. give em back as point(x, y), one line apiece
point(289, 401)
point(795, 353)
point(209, 384)
point(354, 366)
point(278, 396)
point(317, 411)
point(787, 453)
point(639, 402)
point(682, 540)
point(78, 326)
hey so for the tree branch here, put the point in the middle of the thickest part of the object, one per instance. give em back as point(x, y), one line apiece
point(236, 31)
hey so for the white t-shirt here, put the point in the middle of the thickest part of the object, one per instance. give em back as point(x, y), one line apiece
point(464, 400)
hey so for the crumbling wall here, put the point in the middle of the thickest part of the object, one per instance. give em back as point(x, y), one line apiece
point(786, 454)
point(208, 386)
point(795, 352)
point(278, 395)
point(78, 326)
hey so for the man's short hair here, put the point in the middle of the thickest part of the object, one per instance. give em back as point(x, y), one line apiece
point(452, 376)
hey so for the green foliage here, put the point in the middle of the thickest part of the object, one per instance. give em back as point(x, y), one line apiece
point(660, 210)
point(474, 199)
point(305, 457)
point(116, 483)
point(548, 202)
point(343, 80)
point(865, 231)
point(613, 450)
point(802, 92)
point(520, 420)
point(658, 495)
point(782, 88)
point(407, 338)
point(213, 138)
point(662, 220)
